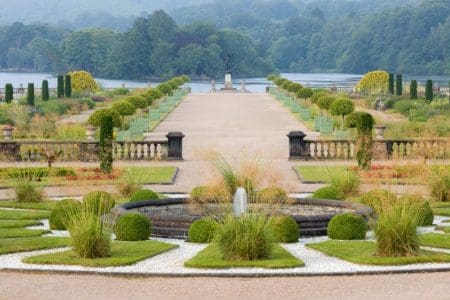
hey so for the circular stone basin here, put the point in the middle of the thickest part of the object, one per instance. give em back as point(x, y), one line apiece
point(172, 217)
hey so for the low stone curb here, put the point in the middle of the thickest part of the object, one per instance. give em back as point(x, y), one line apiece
point(226, 275)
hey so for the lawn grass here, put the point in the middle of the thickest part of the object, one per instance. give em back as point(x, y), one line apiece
point(363, 252)
point(317, 173)
point(211, 257)
point(152, 175)
point(122, 254)
point(43, 205)
point(437, 240)
point(440, 208)
point(23, 214)
point(142, 175)
point(21, 232)
point(18, 223)
point(32, 244)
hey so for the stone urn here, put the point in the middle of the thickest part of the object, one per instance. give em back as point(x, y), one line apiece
point(90, 133)
point(379, 132)
point(8, 132)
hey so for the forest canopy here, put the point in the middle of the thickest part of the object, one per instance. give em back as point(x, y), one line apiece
point(261, 36)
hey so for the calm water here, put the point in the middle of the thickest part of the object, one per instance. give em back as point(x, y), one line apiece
point(252, 84)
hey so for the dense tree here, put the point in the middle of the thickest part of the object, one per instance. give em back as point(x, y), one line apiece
point(413, 89)
point(391, 87)
point(60, 86)
point(429, 90)
point(45, 92)
point(399, 85)
point(9, 92)
point(30, 95)
point(349, 36)
point(68, 86)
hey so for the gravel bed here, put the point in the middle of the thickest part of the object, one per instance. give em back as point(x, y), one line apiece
point(172, 262)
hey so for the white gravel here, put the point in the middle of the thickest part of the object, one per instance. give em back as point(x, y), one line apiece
point(172, 262)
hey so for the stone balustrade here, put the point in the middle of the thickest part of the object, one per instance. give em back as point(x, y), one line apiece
point(36, 151)
point(302, 148)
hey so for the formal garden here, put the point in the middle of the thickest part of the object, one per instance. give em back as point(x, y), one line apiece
point(244, 221)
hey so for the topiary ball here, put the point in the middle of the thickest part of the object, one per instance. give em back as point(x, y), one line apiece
point(272, 195)
point(284, 229)
point(143, 194)
point(202, 231)
point(347, 226)
point(132, 227)
point(99, 202)
point(326, 192)
point(62, 209)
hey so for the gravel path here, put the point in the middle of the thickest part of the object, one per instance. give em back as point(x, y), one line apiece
point(172, 262)
point(53, 286)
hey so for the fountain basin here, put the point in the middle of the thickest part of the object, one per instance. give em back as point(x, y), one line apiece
point(171, 218)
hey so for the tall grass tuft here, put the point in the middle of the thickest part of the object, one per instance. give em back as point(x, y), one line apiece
point(345, 182)
point(90, 231)
point(129, 182)
point(246, 238)
point(439, 182)
point(25, 184)
point(396, 228)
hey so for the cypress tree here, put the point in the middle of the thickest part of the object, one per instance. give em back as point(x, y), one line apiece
point(45, 93)
point(30, 94)
point(391, 83)
point(106, 138)
point(68, 86)
point(60, 89)
point(9, 93)
point(429, 91)
point(399, 85)
point(413, 89)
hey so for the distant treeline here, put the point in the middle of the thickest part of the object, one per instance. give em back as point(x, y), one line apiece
point(264, 37)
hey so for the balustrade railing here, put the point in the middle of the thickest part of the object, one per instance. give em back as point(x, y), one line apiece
point(301, 148)
point(35, 151)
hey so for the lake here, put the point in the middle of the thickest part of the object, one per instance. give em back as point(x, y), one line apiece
point(326, 80)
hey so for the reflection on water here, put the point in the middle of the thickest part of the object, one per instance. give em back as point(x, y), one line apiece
point(252, 84)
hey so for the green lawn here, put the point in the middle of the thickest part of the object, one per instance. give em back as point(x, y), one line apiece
point(210, 257)
point(122, 254)
point(44, 205)
point(441, 208)
point(153, 175)
point(141, 175)
point(437, 240)
point(23, 214)
point(31, 244)
point(317, 173)
point(21, 232)
point(363, 252)
point(18, 223)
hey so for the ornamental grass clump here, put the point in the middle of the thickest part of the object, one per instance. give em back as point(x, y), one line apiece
point(439, 183)
point(246, 238)
point(90, 230)
point(396, 229)
point(346, 183)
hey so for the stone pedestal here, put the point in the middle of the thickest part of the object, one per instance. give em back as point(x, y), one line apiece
point(228, 87)
point(213, 86)
point(297, 145)
point(90, 133)
point(175, 145)
point(8, 132)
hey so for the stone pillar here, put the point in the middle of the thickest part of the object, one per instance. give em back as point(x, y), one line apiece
point(379, 132)
point(213, 86)
point(90, 133)
point(175, 145)
point(8, 132)
point(297, 145)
